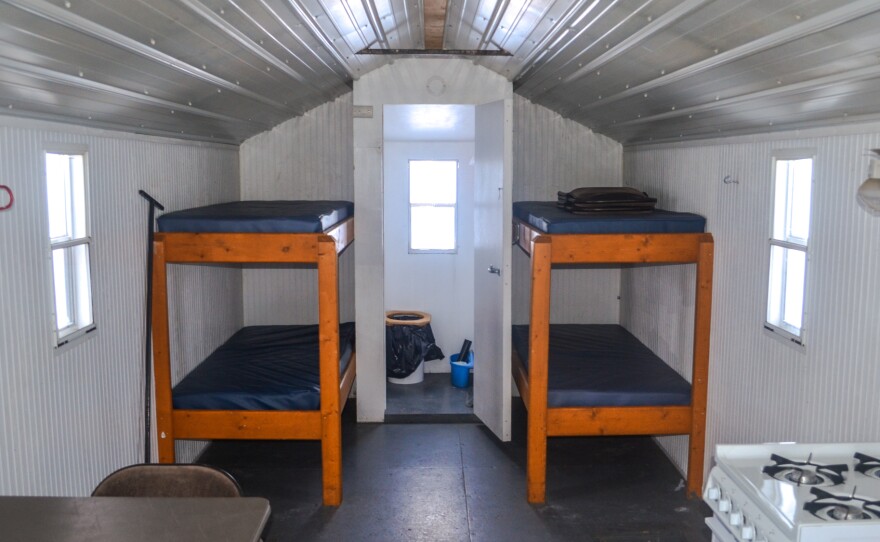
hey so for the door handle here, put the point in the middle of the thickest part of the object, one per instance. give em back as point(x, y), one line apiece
point(495, 270)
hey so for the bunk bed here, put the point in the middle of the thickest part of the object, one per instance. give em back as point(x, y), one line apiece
point(266, 382)
point(592, 380)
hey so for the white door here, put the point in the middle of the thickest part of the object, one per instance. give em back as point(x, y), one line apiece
point(492, 238)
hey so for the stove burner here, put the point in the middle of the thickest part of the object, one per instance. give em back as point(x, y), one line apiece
point(831, 507)
point(802, 477)
point(845, 512)
point(806, 472)
point(867, 465)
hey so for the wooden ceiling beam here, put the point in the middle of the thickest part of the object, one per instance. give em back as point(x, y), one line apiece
point(435, 23)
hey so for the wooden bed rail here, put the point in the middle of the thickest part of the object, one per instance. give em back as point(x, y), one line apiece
point(700, 373)
point(539, 352)
point(253, 247)
point(324, 424)
point(619, 248)
point(546, 250)
point(328, 340)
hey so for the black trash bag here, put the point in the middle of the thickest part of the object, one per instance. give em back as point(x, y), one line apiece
point(407, 346)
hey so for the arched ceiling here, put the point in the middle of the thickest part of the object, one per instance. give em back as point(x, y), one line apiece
point(634, 70)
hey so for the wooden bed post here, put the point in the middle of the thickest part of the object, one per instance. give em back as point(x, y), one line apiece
point(162, 354)
point(700, 378)
point(328, 339)
point(539, 335)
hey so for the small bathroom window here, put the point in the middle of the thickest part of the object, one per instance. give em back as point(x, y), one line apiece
point(433, 206)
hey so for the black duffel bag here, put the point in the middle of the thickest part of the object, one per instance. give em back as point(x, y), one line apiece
point(606, 199)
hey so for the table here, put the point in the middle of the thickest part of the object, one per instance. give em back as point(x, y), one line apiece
point(132, 519)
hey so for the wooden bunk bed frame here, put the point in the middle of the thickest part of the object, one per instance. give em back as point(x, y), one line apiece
point(547, 250)
point(325, 424)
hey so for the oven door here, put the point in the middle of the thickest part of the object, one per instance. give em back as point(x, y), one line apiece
point(719, 531)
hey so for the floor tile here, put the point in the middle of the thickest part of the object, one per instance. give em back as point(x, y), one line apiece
point(402, 504)
point(498, 510)
point(434, 396)
point(403, 446)
point(458, 482)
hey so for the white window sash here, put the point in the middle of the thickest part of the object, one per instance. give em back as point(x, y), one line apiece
point(445, 205)
point(77, 275)
point(788, 242)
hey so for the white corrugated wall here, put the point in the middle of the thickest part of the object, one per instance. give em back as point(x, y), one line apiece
point(71, 416)
point(551, 153)
point(308, 157)
point(761, 389)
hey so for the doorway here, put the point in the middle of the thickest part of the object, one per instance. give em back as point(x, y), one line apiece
point(428, 196)
point(437, 81)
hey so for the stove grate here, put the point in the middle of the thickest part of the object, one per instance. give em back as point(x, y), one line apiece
point(867, 465)
point(805, 473)
point(831, 507)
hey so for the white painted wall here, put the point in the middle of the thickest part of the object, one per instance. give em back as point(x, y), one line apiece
point(550, 154)
point(759, 388)
point(71, 416)
point(413, 81)
point(440, 284)
point(307, 157)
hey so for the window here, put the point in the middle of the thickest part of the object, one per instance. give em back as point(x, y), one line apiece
point(786, 291)
point(67, 203)
point(433, 196)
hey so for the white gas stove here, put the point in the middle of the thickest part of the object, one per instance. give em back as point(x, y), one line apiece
point(795, 493)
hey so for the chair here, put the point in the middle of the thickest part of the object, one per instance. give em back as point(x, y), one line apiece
point(168, 480)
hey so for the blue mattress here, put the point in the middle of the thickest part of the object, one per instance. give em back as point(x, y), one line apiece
point(547, 217)
point(262, 368)
point(604, 365)
point(258, 217)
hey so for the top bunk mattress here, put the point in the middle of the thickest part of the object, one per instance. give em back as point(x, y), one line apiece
point(603, 365)
point(548, 218)
point(259, 217)
point(262, 368)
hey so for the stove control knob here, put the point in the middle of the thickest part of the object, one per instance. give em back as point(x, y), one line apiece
point(748, 532)
point(724, 505)
point(736, 519)
point(713, 493)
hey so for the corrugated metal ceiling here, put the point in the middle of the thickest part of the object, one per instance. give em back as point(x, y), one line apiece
point(634, 70)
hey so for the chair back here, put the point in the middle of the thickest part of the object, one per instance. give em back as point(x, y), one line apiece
point(168, 480)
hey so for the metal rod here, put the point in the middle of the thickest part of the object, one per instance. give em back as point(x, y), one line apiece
point(148, 354)
point(153, 203)
point(435, 52)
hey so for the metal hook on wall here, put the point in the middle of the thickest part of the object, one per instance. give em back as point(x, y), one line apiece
point(729, 180)
point(11, 197)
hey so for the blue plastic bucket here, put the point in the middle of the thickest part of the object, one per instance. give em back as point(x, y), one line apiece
point(461, 372)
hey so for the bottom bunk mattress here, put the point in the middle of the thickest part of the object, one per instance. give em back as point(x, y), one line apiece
point(603, 365)
point(262, 368)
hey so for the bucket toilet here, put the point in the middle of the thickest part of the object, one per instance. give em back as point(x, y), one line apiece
point(408, 318)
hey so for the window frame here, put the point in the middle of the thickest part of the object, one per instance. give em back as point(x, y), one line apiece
point(77, 328)
point(454, 207)
point(786, 332)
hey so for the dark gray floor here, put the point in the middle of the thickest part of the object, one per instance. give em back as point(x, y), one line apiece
point(457, 482)
point(432, 400)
